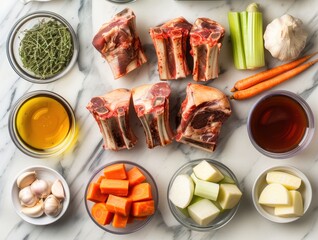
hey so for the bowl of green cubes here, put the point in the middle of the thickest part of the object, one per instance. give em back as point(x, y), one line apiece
point(204, 195)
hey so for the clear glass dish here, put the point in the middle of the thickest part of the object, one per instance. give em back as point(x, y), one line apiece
point(16, 35)
point(42, 153)
point(223, 217)
point(136, 224)
point(307, 137)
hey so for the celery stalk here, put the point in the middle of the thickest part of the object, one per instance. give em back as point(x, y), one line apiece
point(237, 40)
point(246, 30)
point(254, 52)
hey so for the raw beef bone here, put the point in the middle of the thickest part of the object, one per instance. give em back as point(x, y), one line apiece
point(206, 41)
point(151, 102)
point(119, 44)
point(170, 41)
point(111, 113)
point(202, 114)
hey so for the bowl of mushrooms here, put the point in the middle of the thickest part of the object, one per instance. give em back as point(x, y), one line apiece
point(40, 195)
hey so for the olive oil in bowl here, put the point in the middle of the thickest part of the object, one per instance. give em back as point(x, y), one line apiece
point(42, 124)
point(280, 124)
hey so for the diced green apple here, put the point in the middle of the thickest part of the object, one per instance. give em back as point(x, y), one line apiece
point(181, 191)
point(289, 181)
point(203, 212)
point(206, 189)
point(295, 209)
point(229, 195)
point(274, 195)
point(205, 171)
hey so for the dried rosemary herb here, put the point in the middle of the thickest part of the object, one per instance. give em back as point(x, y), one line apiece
point(46, 49)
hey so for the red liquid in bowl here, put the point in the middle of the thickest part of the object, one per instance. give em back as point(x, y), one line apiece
point(278, 124)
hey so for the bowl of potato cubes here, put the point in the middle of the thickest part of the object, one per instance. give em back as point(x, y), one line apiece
point(282, 194)
point(204, 195)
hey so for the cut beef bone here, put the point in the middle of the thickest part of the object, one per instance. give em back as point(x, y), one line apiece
point(119, 43)
point(202, 114)
point(206, 41)
point(170, 41)
point(151, 102)
point(111, 113)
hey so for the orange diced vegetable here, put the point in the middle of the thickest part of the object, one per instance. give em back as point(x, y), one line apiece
point(101, 214)
point(115, 171)
point(114, 186)
point(94, 194)
point(120, 221)
point(99, 180)
point(135, 176)
point(141, 192)
point(119, 205)
point(142, 209)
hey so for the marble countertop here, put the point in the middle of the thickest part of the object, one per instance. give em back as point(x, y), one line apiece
point(91, 76)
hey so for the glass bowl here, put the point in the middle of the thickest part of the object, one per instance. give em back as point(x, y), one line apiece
point(30, 150)
point(136, 224)
point(263, 111)
point(268, 212)
point(16, 35)
point(44, 173)
point(223, 218)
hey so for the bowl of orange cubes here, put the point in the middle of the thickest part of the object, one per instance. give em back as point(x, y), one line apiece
point(121, 197)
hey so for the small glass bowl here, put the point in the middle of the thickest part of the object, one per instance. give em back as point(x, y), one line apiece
point(136, 224)
point(16, 35)
point(42, 153)
point(47, 174)
point(268, 212)
point(308, 135)
point(223, 218)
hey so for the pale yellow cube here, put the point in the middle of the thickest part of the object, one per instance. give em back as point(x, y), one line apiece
point(229, 195)
point(205, 171)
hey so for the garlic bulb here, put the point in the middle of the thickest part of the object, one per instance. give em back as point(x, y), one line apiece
point(27, 198)
point(41, 188)
point(285, 37)
point(52, 206)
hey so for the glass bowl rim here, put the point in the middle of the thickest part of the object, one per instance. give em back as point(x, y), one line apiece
point(24, 147)
point(232, 212)
point(306, 138)
point(15, 31)
point(146, 221)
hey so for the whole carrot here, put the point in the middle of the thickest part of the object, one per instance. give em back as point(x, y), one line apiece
point(258, 88)
point(262, 76)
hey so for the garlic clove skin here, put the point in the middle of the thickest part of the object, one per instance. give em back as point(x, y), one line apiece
point(26, 179)
point(27, 198)
point(41, 188)
point(285, 37)
point(57, 189)
point(35, 211)
point(52, 206)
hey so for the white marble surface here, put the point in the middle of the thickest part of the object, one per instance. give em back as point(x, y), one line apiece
point(91, 77)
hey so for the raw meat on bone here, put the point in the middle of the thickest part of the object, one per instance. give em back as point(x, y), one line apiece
point(111, 112)
point(119, 43)
point(170, 41)
point(202, 114)
point(151, 103)
point(206, 41)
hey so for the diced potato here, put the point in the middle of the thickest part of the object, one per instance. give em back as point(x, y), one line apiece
point(229, 195)
point(274, 195)
point(181, 191)
point(289, 181)
point(203, 212)
point(295, 209)
point(206, 189)
point(205, 171)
